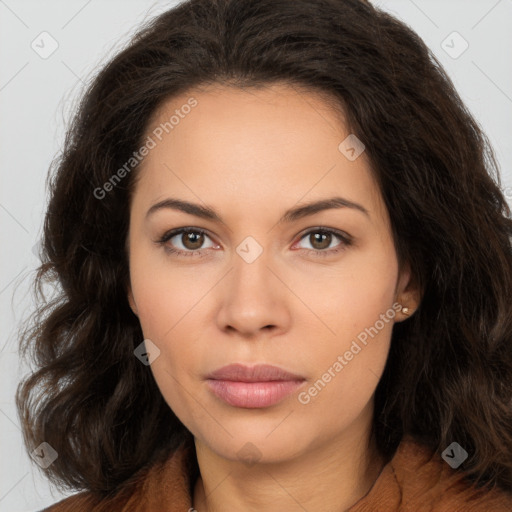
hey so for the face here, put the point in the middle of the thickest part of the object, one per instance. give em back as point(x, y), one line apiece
point(314, 293)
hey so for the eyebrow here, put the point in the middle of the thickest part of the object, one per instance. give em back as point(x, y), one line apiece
point(290, 215)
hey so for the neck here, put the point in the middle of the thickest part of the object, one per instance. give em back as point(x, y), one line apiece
point(332, 475)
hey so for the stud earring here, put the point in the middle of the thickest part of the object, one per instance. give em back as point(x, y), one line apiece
point(405, 310)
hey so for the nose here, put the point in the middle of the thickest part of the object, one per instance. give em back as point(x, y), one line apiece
point(253, 298)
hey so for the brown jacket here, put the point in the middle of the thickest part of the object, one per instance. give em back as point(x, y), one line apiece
point(413, 481)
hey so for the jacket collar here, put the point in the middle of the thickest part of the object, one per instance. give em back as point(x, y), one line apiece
point(414, 479)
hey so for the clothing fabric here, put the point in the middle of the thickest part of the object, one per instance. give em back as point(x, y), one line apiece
point(414, 480)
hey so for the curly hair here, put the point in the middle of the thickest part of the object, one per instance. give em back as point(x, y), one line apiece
point(449, 371)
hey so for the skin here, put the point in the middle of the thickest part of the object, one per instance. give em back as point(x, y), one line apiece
point(251, 155)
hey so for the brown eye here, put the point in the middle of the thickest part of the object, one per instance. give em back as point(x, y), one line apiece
point(320, 240)
point(192, 240)
point(325, 241)
point(187, 242)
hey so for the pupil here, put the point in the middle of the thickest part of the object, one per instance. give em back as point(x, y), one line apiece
point(324, 238)
point(189, 242)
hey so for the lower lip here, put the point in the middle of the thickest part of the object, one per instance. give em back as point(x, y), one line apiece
point(253, 395)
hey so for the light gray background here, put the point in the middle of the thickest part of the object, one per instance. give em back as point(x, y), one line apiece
point(37, 96)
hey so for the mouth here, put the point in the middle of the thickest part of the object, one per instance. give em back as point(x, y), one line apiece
point(253, 387)
point(258, 373)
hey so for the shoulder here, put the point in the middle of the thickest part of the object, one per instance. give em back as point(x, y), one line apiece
point(121, 499)
point(83, 501)
point(164, 485)
point(124, 498)
point(128, 497)
point(418, 479)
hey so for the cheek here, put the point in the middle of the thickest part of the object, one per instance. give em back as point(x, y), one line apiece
point(348, 373)
point(166, 318)
point(351, 297)
point(163, 294)
point(357, 309)
point(169, 311)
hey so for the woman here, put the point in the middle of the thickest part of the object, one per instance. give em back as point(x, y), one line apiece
point(286, 269)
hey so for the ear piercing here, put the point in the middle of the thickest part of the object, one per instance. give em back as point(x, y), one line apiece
point(405, 310)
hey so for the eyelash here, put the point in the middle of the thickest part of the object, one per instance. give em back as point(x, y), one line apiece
point(346, 241)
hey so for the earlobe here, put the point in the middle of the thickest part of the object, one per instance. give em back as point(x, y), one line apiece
point(408, 294)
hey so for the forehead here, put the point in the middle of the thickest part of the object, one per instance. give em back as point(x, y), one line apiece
point(280, 142)
point(242, 122)
point(265, 98)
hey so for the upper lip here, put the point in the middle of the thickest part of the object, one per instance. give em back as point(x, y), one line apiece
point(258, 373)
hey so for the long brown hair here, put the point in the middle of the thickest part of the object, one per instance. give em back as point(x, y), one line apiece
point(449, 372)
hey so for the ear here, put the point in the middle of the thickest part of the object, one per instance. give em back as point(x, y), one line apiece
point(131, 301)
point(407, 293)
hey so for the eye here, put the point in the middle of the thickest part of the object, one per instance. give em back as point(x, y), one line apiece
point(321, 241)
point(190, 241)
point(185, 241)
